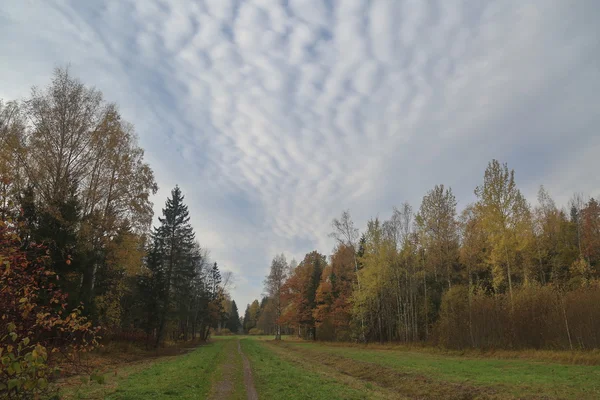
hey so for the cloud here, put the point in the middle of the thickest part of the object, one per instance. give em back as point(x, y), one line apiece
point(275, 116)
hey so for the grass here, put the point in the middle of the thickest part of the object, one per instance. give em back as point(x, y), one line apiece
point(230, 369)
point(294, 369)
point(189, 376)
point(578, 357)
point(512, 377)
point(276, 378)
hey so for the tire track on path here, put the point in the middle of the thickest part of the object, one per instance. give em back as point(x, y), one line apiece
point(248, 380)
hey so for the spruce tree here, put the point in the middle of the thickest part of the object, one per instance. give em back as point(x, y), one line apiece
point(233, 323)
point(246, 324)
point(175, 239)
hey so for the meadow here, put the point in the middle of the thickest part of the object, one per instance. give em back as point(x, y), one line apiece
point(295, 369)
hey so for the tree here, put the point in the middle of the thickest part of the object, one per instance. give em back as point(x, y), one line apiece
point(267, 319)
point(233, 322)
point(273, 284)
point(12, 153)
point(345, 233)
point(174, 239)
point(439, 230)
point(555, 241)
point(79, 147)
point(474, 244)
point(74, 167)
point(151, 287)
point(251, 316)
point(246, 320)
point(37, 325)
point(590, 233)
point(506, 217)
point(334, 293)
point(300, 292)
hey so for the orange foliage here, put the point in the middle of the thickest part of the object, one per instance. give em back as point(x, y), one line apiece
point(333, 311)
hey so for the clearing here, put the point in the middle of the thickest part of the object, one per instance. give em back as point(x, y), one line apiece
point(255, 368)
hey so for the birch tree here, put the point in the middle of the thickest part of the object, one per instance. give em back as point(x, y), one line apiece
point(273, 285)
point(506, 217)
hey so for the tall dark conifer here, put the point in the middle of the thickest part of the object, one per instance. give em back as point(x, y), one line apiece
point(233, 323)
point(175, 238)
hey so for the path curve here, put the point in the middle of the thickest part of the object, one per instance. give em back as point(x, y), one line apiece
point(248, 380)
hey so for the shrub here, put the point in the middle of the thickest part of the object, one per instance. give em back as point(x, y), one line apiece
point(35, 324)
point(537, 317)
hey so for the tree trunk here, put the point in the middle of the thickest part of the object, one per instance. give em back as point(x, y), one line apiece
point(562, 305)
point(510, 290)
point(470, 309)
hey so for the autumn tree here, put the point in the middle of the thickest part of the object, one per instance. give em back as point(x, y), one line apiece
point(506, 217)
point(77, 169)
point(500, 275)
point(267, 318)
point(333, 297)
point(555, 241)
point(38, 327)
point(12, 152)
point(251, 316)
point(300, 294)
point(273, 285)
point(439, 230)
point(345, 233)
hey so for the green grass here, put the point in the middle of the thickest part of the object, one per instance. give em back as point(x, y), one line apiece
point(275, 378)
point(230, 368)
point(184, 377)
point(293, 369)
point(517, 377)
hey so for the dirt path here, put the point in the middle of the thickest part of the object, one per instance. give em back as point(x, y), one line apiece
point(235, 378)
point(248, 380)
point(223, 389)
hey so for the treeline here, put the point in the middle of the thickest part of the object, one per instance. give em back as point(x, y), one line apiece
point(501, 274)
point(76, 238)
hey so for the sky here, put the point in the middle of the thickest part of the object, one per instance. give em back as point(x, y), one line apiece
point(274, 116)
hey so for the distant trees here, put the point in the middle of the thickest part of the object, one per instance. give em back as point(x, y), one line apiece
point(499, 274)
point(251, 316)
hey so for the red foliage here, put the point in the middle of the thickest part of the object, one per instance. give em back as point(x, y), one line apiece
point(335, 290)
point(32, 308)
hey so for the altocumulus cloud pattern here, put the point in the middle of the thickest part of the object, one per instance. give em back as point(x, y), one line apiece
point(275, 115)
